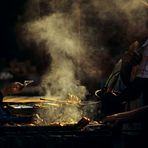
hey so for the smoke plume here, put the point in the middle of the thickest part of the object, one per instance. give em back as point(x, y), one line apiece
point(83, 38)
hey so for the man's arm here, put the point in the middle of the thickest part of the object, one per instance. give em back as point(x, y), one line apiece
point(130, 59)
point(136, 114)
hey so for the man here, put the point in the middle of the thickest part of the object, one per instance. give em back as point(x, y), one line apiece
point(123, 83)
point(133, 76)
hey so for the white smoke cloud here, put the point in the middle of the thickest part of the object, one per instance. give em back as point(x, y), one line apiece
point(131, 14)
point(68, 32)
point(64, 46)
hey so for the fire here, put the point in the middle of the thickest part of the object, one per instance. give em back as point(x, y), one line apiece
point(51, 111)
point(59, 111)
point(72, 99)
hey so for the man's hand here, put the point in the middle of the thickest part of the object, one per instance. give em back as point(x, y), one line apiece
point(16, 87)
point(110, 118)
point(131, 56)
point(13, 88)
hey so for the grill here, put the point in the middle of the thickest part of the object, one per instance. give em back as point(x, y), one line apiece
point(82, 133)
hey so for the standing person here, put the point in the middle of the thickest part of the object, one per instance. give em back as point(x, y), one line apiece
point(120, 78)
point(134, 77)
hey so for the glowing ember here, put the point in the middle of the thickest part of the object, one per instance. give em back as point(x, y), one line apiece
point(73, 99)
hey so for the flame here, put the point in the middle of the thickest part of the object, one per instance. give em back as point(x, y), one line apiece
point(72, 99)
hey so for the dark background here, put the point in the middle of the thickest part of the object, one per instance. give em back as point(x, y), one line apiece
point(16, 59)
point(113, 35)
point(10, 11)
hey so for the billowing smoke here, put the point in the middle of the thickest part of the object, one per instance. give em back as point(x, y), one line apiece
point(130, 16)
point(65, 49)
point(82, 38)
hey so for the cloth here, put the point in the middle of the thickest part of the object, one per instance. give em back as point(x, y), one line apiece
point(143, 68)
point(142, 71)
